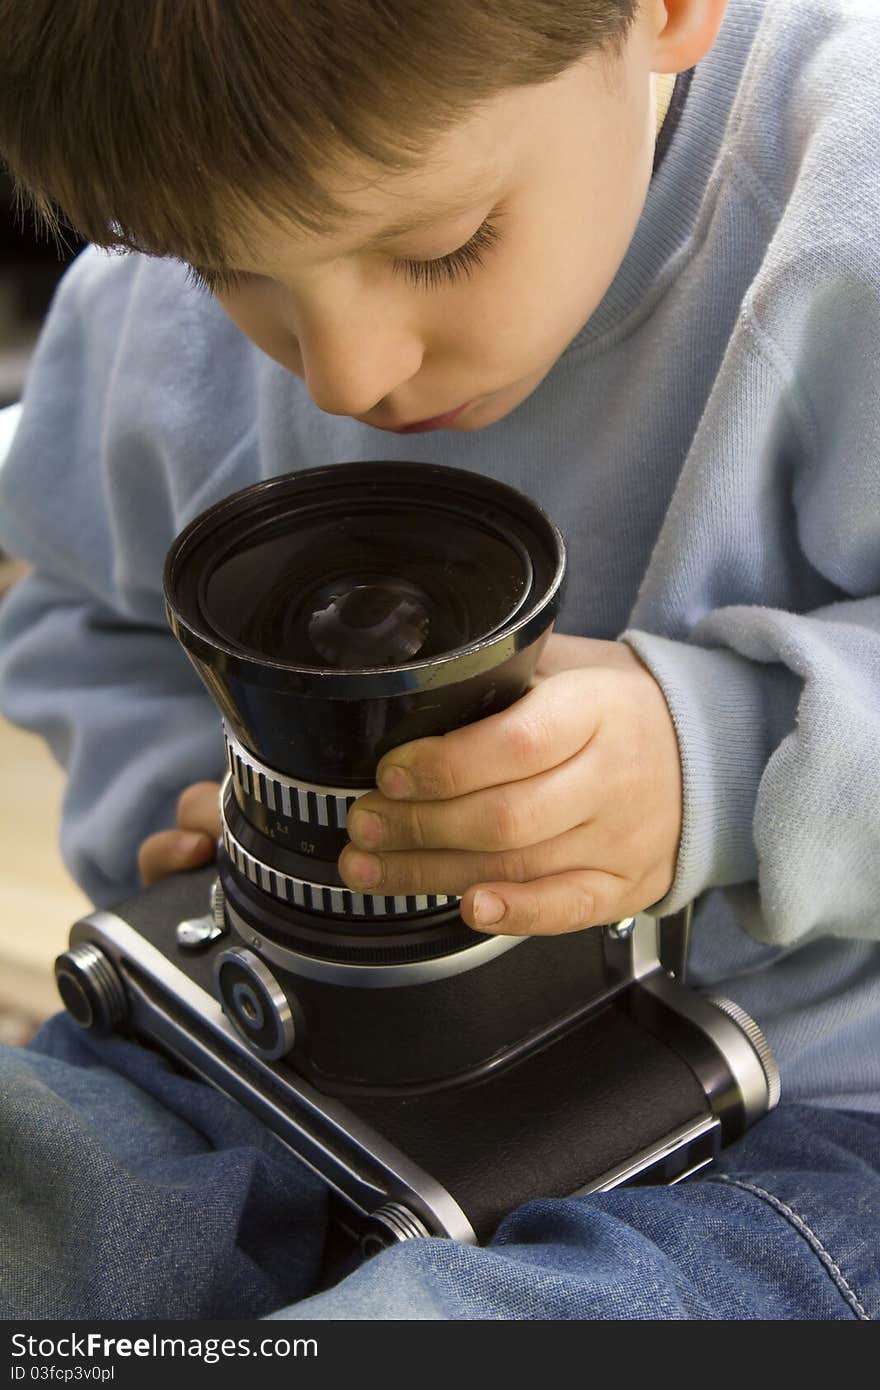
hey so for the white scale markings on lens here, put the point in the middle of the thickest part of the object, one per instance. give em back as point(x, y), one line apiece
point(264, 784)
point(322, 897)
point(267, 786)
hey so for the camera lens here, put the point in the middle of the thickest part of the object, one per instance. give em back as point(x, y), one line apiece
point(333, 614)
point(377, 584)
point(383, 623)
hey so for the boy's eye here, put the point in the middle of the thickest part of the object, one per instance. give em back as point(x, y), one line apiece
point(463, 262)
point(423, 274)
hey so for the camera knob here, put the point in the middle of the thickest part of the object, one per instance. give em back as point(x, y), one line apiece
point(91, 988)
point(254, 1002)
point(390, 1223)
point(756, 1037)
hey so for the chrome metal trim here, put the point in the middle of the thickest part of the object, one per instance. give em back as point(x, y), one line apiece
point(758, 1041)
point(195, 933)
point(674, 935)
point(727, 1037)
point(404, 1181)
point(282, 1015)
point(416, 972)
point(631, 948)
point(218, 905)
point(686, 1136)
point(87, 962)
point(398, 1224)
point(619, 931)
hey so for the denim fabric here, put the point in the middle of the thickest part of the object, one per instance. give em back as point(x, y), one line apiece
point(787, 1228)
point(132, 1191)
point(128, 1190)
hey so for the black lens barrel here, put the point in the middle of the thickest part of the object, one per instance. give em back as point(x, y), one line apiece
point(268, 590)
point(327, 725)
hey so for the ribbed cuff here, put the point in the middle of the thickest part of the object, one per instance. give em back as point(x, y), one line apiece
point(719, 703)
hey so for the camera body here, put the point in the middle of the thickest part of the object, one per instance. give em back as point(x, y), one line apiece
point(623, 1074)
point(434, 1077)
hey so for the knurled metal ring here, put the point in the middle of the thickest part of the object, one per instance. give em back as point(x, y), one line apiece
point(756, 1037)
point(302, 801)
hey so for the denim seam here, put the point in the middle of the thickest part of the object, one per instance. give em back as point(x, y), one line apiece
point(832, 1267)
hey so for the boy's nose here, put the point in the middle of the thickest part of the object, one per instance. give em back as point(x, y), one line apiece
point(350, 369)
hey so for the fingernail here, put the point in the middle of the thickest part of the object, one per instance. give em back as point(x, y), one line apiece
point(192, 843)
point(396, 781)
point(365, 869)
point(488, 908)
point(367, 828)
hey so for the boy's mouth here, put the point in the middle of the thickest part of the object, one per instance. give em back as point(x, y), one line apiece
point(436, 422)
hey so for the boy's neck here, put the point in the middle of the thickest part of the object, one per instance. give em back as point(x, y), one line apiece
point(664, 87)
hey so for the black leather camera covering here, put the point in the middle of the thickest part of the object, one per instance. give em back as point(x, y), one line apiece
point(542, 1127)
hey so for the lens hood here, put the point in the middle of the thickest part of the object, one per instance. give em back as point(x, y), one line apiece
point(336, 612)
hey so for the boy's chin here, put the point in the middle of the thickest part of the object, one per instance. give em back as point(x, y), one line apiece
point(496, 406)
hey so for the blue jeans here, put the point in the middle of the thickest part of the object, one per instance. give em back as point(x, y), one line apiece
point(128, 1190)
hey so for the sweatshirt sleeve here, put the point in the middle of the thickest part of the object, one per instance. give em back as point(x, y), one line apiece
point(86, 658)
point(121, 711)
point(777, 710)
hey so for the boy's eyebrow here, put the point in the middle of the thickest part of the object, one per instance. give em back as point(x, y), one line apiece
point(430, 212)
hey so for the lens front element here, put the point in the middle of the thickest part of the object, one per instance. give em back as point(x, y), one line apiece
point(383, 623)
point(364, 590)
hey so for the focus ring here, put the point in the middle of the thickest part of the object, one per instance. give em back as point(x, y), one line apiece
point(321, 897)
point(301, 801)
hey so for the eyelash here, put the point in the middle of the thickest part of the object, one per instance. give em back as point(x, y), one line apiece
point(428, 275)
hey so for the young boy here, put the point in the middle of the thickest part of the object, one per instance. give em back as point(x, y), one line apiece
point(629, 250)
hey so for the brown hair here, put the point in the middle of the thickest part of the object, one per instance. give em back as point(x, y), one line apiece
point(148, 124)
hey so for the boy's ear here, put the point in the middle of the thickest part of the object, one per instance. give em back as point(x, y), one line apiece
point(685, 31)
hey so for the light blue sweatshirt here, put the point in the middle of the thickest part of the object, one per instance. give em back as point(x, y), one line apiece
point(710, 445)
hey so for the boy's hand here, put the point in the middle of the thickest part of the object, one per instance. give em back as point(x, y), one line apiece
point(192, 844)
point(563, 811)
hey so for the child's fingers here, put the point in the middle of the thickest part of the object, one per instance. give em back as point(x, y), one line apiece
point(547, 906)
point(171, 851)
point(198, 808)
point(515, 816)
point(549, 724)
point(192, 843)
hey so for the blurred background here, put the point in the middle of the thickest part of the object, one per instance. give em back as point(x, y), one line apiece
point(38, 899)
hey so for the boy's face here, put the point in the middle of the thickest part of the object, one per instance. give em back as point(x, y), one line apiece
point(560, 169)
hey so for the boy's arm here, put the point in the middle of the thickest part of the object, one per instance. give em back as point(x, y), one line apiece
point(778, 712)
point(776, 709)
point(122, 711)
point(802, 821)
point(86, 658)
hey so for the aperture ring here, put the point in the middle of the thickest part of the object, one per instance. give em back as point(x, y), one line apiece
point(299, 801)
point(321, 897)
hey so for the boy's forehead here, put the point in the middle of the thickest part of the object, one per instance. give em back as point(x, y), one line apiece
point(470, 164)
point(465, 166)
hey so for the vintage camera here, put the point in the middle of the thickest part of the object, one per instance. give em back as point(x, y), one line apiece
point(434, 1077)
